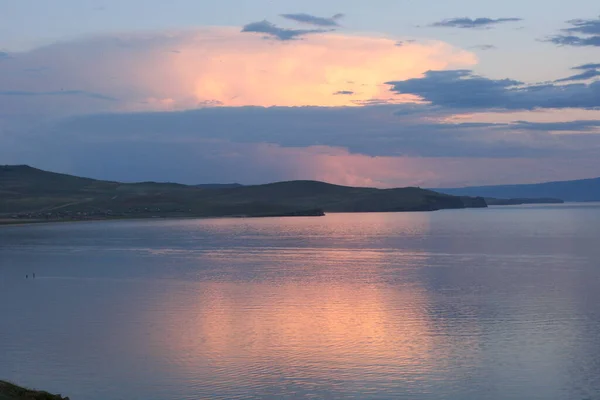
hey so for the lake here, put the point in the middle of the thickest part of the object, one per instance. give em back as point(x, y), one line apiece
point(499, 303)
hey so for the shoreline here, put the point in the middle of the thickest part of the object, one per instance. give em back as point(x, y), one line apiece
point(25, 222)
point(6, 222)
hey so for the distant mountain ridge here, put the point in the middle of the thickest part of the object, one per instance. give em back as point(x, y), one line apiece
point(218, 185)
point(30, 193)
point(582, 190)
point(517, 202)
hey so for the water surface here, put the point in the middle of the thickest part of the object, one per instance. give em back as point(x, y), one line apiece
point(460, 304)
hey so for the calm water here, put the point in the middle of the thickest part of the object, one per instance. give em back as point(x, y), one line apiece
point(493, 304)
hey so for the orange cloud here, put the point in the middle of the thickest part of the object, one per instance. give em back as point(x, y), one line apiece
point(220, 66)
point(237, 69)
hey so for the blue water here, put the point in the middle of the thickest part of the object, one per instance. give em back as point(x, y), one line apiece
point(499, 303)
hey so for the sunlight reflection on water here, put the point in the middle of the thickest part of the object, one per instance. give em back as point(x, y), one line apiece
point(465, 304)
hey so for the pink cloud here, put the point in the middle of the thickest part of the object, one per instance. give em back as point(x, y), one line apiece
point(217, 66)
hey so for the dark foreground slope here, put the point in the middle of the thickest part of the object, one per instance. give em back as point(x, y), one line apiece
point(27, 192)
point(8, 391)
point(580, 190)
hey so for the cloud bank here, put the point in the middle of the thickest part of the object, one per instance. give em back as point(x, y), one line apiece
point(275, 32)
point(218, 66)
point(314, 20)
point(385, 146)
point(470, 23)
point(583, 32)
point(464, 89)
point(218, 105)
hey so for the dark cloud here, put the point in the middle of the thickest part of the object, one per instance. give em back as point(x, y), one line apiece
point(278, 33)
point(590, 71)
point(484, 47)
point(401, 43)
point(462, 89)
point(587, 66)
point(344, 92)
point(583, 32)
point(570, 126)
point(401, 130)
point(589, 74)
point(58, 93)
point(585, 26)
point(578, 41)
point(469, 23)
point(279, 143)
point(313, 20)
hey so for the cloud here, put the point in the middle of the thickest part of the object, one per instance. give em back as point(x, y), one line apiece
point(388, 131)
point(484, 47)
point(390, 145)
point(570, 126)
point(589, 74)
point(469, 23)
point(4, 55)
point(578, 41)
point(590, 71)
point(83, 93)
point(313, 20)
point(587, 66)
point(401, 43)
point(275, 32)
point(338, 145)
point(153, 129)
point(567, 126)
point(344, 92)
point(462, 89)
point(583, 32)
point(216, 66)
point(585, 26)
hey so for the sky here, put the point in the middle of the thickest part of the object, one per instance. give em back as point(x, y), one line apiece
point(383, 93)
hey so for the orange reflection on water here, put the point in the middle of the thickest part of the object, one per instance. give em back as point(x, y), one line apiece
point(332, 318)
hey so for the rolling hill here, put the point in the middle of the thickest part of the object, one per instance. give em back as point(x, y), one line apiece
point(577, 191)
point(9, 391)
point(27, 192)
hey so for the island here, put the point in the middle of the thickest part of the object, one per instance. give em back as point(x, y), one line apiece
point(29, 194)
point(9, 391)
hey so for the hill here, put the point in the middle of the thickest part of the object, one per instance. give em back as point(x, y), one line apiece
point(218, 185)
point(30, 193)
point(579, 190)
point(516, 202)
point(8, 391)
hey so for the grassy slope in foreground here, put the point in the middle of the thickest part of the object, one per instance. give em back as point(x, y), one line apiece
point(34, 193)
point(9, 391)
